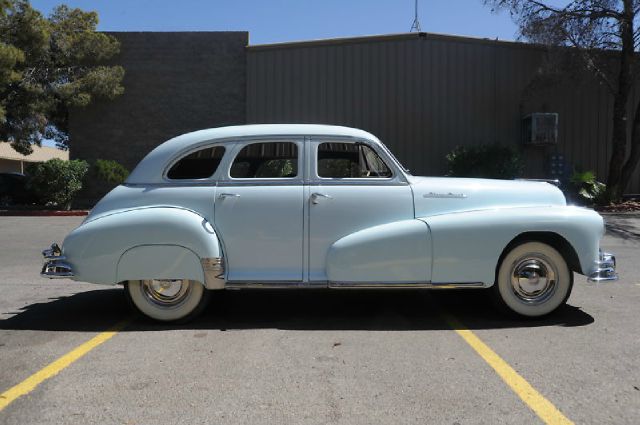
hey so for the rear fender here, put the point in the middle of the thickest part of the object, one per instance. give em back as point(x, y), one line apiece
point(181, 239)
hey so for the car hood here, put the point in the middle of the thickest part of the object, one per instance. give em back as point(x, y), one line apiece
point(438, 195)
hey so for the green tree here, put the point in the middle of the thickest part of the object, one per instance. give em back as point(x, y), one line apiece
point(110, 172)
point(605, 36)
point(47, 66)
point(56, 182)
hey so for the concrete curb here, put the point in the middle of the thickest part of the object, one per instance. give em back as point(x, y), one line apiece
point(42, 213)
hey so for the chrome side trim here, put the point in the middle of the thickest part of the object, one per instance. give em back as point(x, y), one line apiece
point(213, 269)
point(605, 268)
point(403, 285)
point(449, 285)
point(285, 284)
point(349, 285)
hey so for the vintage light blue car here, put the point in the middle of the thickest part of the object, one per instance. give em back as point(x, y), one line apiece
point(314, 206)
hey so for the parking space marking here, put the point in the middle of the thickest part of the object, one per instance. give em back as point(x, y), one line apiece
point(52, 369)
point(532, 398)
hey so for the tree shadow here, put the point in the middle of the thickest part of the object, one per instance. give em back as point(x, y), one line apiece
point(406, 310)
point(622, 230)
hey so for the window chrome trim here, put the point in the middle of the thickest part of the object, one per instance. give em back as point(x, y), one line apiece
point(356, 182)
point(186, 152)
point(226, 178)
point(261, 182)
point(397, 178)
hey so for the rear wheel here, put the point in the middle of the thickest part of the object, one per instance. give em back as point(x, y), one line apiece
point(533, 280)
point(167, 300)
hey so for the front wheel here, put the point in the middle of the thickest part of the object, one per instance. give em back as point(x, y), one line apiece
point(167, 300)
point(533, 280)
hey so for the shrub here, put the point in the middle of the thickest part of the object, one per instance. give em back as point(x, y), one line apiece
point(492, 161)
point(110, 172)
point(585, 189)
point(54, 183)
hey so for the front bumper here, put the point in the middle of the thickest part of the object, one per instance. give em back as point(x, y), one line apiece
point(55, 264)
point(605, 269)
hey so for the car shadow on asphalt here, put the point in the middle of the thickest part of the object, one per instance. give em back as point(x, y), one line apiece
point(406, 310)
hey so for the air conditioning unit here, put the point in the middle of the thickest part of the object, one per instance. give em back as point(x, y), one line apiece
point(540, 128)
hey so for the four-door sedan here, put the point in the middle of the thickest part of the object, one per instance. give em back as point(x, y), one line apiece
point(314, 206)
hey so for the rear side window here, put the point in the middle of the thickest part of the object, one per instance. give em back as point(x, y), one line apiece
point(350, 160)
point(266, 161)
point(197, 165)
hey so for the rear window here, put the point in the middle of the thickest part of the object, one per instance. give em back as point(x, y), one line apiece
point(197, 165)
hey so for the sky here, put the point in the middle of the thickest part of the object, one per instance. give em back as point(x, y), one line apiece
point(272, 21)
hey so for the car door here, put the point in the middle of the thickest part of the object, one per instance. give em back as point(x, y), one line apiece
point(353, 186)
point(259, 212)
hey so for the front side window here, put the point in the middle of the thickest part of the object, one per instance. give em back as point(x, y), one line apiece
point(197, 165)
point(266, 161)
point(350, 160)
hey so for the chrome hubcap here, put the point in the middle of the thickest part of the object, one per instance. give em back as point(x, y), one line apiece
point(166, 292)
point(533, 279)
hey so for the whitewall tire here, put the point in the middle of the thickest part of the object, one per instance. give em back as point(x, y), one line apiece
point(167, 300)
point(533, 280)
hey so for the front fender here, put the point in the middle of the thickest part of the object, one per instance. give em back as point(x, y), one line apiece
point(467, 245)
point(94, 248)
point(398, 252)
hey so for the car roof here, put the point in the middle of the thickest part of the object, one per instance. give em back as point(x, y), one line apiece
point(150, 169)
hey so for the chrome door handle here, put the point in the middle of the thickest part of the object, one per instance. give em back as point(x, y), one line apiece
point(315, 196)
point(228, 195)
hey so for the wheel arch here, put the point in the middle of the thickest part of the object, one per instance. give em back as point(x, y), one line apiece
point(143, 262)
point(552, 239)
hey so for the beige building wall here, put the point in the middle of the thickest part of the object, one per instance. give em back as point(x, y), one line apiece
point(12, 161)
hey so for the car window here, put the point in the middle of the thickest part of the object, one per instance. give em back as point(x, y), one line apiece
point(350, 160)
point(197, 165)
point(266, 160)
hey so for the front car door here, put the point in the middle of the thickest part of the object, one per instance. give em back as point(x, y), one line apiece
point(259, 212)
point(354, 185)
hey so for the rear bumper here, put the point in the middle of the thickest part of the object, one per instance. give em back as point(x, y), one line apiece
point(605, 268)
point(55, 264)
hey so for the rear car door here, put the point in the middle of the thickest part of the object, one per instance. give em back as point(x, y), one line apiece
point(259, 212)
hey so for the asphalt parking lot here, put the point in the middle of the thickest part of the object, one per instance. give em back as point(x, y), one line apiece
point(313, 357)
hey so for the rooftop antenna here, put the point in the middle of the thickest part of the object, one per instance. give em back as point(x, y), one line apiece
point(415, 26)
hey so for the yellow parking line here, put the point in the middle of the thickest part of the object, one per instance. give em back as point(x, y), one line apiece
point(532, 398)
point(52, 369)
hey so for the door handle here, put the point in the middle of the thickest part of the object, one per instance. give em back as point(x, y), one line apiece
point(315, 196)
point(228, 195)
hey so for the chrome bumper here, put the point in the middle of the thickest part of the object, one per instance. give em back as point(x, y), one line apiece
point(55, 264)
point(605, 269)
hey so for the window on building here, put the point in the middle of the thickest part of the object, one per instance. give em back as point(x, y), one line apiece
point(350, 160)
point(266, 161)
point(197, 165)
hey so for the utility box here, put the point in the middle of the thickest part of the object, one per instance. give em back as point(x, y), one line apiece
point(540, 129)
